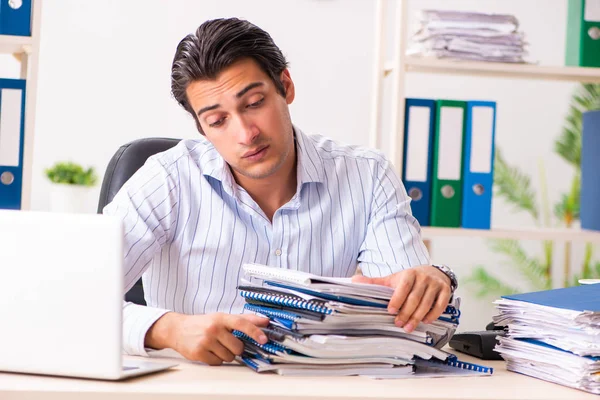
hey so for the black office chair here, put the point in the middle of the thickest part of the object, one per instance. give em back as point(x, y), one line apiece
point(126, 161)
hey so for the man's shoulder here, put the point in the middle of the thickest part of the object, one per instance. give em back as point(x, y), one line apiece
point(193, 150)
point(328, 148)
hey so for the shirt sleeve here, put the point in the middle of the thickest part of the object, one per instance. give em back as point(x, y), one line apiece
point(147, 204)
point(393, 238)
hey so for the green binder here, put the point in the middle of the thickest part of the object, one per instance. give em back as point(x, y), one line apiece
point(583, 33)
point(448, 150)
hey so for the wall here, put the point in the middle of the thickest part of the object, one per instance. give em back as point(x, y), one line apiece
point(104, 81)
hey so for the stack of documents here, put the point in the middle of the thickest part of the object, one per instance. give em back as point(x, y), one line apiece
point(554, 335)
point(331, 326)
point(468, 36)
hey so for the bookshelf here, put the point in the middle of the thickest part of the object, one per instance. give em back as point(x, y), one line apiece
point(402, 65)
point(499, 70)
point(560, 234)
point(26, 51)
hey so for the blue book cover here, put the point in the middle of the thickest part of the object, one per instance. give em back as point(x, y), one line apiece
point(576, 298)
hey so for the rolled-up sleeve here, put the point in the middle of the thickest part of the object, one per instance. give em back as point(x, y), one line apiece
point(393, 238)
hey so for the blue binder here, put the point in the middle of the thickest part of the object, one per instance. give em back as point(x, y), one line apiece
point(478, 165)
point(419, 128)
point(577, 298)
point(12, 136)
point(15, 17)
point(590, 171)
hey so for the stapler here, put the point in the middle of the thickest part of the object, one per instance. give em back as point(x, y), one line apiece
point(479, 344)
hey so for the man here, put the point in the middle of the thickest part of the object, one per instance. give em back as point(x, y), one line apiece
point(257, 189)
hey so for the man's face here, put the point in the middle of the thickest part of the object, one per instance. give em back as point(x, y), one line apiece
point(245, 118)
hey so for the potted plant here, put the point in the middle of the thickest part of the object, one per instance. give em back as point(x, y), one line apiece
point(71, 187)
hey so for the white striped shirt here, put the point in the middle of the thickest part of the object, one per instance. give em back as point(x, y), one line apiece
point(189, 227)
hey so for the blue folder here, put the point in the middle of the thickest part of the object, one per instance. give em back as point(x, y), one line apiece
point(590, 171)
point(15, 17)
point(12, 136)
point(576, 298)
point(478, 165)
point(419, 128)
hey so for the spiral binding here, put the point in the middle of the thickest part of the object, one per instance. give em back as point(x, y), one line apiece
point(250, 270)
point(469, 366)
point(283, 301)
point(271, 347)
point(250, 363)
point(272, 313)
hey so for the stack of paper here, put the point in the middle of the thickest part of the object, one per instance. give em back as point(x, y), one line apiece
point(468, 36)
point(554, 335)
point(331, 326)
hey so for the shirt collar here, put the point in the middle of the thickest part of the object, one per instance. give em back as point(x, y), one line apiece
point(309, 164)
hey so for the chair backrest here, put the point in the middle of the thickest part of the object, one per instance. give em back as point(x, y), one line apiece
point(123, 164)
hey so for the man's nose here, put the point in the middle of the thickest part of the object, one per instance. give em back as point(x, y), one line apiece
point(247, 131)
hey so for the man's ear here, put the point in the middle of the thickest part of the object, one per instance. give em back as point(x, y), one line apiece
point(288, 86)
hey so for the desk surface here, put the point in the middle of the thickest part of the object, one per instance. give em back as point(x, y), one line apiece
point(194, 381)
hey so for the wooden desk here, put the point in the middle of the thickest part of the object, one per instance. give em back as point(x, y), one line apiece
point(233, 382)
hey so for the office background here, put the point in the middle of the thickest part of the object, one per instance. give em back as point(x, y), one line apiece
point(104, 80)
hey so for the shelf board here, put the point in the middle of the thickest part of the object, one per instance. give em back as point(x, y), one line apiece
point(15, 44)
point(503, 70)
point(565, 234)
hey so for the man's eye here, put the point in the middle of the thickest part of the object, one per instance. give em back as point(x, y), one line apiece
point(217, 123)
point(256, 104)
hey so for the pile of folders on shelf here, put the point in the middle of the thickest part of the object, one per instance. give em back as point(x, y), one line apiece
point(448, 161)
point(323, 326)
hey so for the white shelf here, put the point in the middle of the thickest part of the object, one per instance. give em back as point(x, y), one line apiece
point(503, 70)
point(15, 44)
point(526, 234)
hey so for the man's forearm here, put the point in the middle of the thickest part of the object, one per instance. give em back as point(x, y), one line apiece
point(161, 333)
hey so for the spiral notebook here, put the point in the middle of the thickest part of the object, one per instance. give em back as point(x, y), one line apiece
point(321, 284)
point(281, 359)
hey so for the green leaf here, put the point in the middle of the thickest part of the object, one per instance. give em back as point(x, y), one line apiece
point(72, 174)
point(514, 186)
point(528, 267)
point(488, 285)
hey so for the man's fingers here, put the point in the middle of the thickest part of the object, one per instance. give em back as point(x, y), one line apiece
point(207, 357)
point(423, 308)
point(221, 351)
point(410, 305)
point(231, 343)
point(440, 305)
point(404, 286)
point(243, 324)
point(256, 319)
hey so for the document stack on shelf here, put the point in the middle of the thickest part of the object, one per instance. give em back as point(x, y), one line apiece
point(468, 36)
point(331, 326)
point(553, 335)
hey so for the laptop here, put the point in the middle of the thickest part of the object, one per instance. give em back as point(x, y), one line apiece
point(61, 291)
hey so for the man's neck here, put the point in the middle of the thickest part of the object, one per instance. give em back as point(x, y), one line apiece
point(274, 191)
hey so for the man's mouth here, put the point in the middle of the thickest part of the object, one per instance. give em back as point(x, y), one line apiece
point(254, 153)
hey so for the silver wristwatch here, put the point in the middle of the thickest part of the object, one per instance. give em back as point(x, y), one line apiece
point(450, 274)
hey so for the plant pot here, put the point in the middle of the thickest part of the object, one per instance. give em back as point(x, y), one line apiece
point(71, 198)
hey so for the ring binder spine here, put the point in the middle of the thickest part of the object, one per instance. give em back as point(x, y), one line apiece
point(300, 304)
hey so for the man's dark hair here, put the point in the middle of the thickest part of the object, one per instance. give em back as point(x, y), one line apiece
point(215, 46)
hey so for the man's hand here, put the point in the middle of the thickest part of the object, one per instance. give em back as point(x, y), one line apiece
point(421, 294)
point(205, 338)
